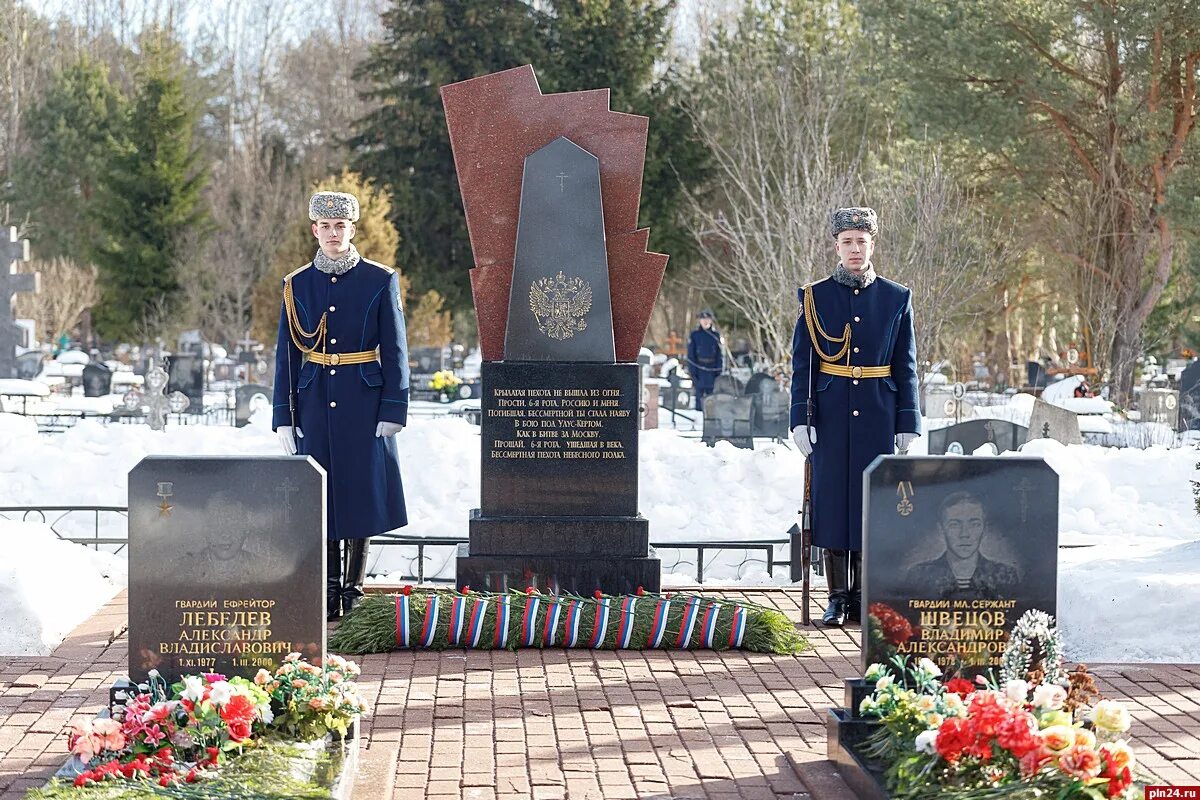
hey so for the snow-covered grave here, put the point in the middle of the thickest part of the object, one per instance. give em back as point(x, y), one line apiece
point(1129, 531)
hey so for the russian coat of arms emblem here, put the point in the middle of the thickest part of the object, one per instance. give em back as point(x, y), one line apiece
point(560, 304)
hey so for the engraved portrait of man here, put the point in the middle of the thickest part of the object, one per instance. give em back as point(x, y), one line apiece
point(962, 571)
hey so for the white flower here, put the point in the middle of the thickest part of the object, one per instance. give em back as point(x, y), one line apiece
point(925, 665)
point(265, 713)
point(193, 688)
point(1110, 717)
point(925, 740)
point(867, 706)
point(220, 693)
point(1049, 695)
point(1017, 690)
point(874, 672)
point(884, 682)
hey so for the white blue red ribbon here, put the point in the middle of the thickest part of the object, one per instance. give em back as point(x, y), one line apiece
point(475, 629)
point(502, 613)
point(571, 635)
point(688, 623)
point(708, 628)
point(737, 629)
point(432, 607)
point(403, 637)
point(659, 626)
point(552, 609)
point(458, 613)
point(600, 629)
point(625, 625)
point(529, 621)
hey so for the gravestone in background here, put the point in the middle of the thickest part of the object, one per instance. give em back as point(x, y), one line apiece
point(226, 564)
point(186, 375)
point(1189, 398)
point(12, 251)
point(967, 437)
point(1052, 422)
point(954, 552)
point(1159, 405)
point(772, 411)
point(249, 398)
point(97, 380)
point(729, 418)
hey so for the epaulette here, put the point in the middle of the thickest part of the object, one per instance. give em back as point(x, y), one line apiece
point(296, 272)
point(814, 283)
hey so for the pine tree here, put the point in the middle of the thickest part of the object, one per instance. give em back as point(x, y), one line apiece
point(404, 144)
point(150, 200)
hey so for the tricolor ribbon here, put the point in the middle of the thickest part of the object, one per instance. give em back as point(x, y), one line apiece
point(688, 623)
point(600, 629)
point(458, 613)
point(571, 635)
point(403, 636)
point(708, 628)
point(625, 626)
point(431, 621)
point(529, 621)
point(475, 629)
point(659, 626)
point(502, 613)
point(552, 610)
point(738, 628)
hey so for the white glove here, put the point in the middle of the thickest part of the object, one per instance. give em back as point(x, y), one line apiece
point(805, 438)
point(286, 440)
point(388, 429)
point(903, 440)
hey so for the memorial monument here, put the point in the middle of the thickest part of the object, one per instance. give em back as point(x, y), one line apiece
point(12, 251)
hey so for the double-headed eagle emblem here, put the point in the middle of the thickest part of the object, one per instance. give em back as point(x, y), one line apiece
point(559, 304)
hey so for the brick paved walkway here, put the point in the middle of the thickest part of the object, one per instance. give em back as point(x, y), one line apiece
point(576, 724)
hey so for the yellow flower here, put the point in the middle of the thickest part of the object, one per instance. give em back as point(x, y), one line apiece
point(934, 719)
point(1058, 738)
point(1085, 738)
point(1110, 716)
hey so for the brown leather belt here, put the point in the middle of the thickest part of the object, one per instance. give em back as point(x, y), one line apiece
point(856, 372)
point(334, 359)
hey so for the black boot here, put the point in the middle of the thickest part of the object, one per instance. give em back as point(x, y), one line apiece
point(854, 604)
point(837, 570)
point(355, 573)
point(333, 580)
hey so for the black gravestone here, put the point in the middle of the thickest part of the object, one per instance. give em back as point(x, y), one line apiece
point(772, 411)
point(226, 564)
point(29, 365)
point(97, 380)
point(1036, 373)
point(186, 375)
point(1189, 398)
point(967, 437)
point(729, 418)
point(559, 307)
point(954, 552)
point(247, 399)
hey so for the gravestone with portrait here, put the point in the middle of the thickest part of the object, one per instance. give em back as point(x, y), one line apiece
point(997, 435)
point(1189, 398)
point(562, 298)
point(955, 550)
point(186, 376)
point(1159, 406)
point(1049, 421)
point(226, 564)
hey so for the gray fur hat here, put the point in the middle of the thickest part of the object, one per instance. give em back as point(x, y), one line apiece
point(855, 219)
point(333, 205)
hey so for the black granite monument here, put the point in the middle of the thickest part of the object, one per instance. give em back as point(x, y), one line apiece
point(97, 380)
point(1189, 398)
point(186, 375)
point(226, 563)
point(12, 250)
point(559, 428)
point(967, 437)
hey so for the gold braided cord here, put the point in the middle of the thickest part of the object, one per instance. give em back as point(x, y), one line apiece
point(294, 327)
point(814, 328)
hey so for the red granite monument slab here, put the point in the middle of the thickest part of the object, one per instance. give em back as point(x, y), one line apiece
point(495, 122)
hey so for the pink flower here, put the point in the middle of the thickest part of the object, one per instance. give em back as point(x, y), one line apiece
point(81, 743)
point(1080, 762)
point(108, 734)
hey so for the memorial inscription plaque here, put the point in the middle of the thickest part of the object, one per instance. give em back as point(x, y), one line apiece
point(226, 564)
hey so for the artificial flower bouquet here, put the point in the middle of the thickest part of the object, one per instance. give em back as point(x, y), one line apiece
point(1040, 733)
point(445, 382)
point(188, 732)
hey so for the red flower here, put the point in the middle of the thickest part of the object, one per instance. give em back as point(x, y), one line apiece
point(1016, 735)
point(1080, 762)
point(986, 713)
point(1120, 782)
point(407, 591)
point(640, 591)
point(896, 629)
point(466, 589)
point(596, 594)
point(238, 715)
point(959, 686)
point(954, 736)
point(1034, 760)
point(239, 730)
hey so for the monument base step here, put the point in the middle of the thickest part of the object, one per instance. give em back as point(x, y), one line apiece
point(607, 537)
point(573, 574)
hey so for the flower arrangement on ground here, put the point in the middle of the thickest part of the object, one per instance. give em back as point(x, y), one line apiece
point(446, 383)
point(1044, 733)
point(187, 733)
point(437, 620)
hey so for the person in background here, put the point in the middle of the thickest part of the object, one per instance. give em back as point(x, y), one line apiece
point(705, 361)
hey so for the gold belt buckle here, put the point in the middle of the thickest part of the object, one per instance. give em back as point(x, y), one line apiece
point(856, 372)
point(335, 358)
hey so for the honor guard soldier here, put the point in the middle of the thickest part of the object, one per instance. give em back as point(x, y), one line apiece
point(854, 396)
point(341, 389)
point(705, 361)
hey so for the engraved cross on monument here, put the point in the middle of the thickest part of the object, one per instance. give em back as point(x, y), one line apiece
point(12, 250)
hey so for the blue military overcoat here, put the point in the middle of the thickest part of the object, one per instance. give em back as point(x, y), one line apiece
point(705, 361)
point(337, 407)
point(856, 419)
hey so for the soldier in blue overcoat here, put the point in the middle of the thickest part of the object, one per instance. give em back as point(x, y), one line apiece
point(341, 389)
point(705, 360)
point(854, 396)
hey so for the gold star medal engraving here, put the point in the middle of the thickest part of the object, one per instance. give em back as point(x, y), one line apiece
point(559, 305)
point(165, 489)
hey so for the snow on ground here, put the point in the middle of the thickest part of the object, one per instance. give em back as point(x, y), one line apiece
point(1129, 580)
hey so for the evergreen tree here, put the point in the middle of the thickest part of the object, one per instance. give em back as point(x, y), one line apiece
point(404, 144)
point(73, 133)
point(150, 201)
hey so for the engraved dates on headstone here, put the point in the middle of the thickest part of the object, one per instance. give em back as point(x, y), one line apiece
point(955, 551)
point(226, 563)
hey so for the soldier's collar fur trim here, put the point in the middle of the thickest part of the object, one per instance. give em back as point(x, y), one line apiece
point(847, 278)
point(339, 267)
